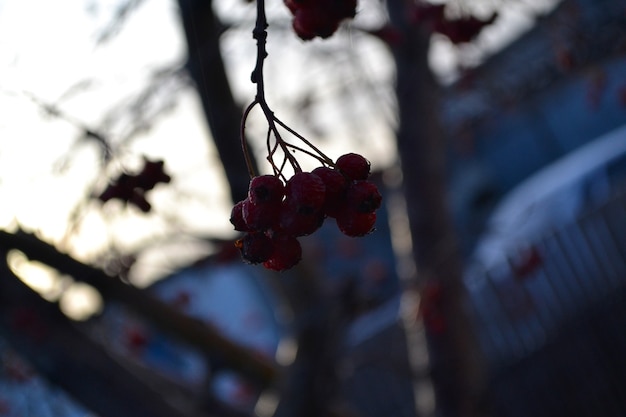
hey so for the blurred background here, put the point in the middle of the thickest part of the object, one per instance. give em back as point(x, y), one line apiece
point(493, 284)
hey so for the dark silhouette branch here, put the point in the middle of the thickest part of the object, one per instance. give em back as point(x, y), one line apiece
point(193, 331)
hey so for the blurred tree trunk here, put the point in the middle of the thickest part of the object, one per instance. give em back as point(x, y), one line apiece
point(456, 368)
point(206, 67)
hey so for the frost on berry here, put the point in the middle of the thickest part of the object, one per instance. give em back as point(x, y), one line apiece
point(354, 166)
point(356, 224)
point(336, 186)
point(260, 216)
point(333, 180)
point(306, 190)
point(286, 253)
point(236, 218)
point(255, 247)
point(266, 189)
point(298, 220)
point(364, 197)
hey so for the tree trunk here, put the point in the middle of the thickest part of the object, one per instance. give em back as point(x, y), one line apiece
point(456, 369)
point(206, 67)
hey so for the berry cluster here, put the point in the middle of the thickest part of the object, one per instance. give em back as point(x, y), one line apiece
point(321, 18)
point(459, 30)
point(274, 214)
point(132, 188)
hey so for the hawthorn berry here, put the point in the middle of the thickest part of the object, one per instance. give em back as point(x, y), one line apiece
point(319, 17)
point(132, 189)
point(306, 190)
point(260, 217)
point(123, 188)
point(311, 22)
point(275, 215)
point(355, 224)
point(236, 218)
point(287, 252)
point(152, 174)
point(138, 199)
point(298, 220)
point(255, 247)
point(354, 166)
point(336, 186)
point(363, 197)
point(266, 189)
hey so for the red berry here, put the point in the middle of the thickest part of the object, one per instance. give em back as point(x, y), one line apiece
point(138, 199)
point(266, 189)
point(294, 5)
point(335, 183)
point(299, 220)
point(355, 224)
point(255, 247)
point(260, 217)
point(344, 9)
point(314, 21)
point(336, 186)
point(363, 196)
point(236, 218)
point(354, 166)
point(152, 174)
point(136, 339)
point(286, 254)
point(306, 190)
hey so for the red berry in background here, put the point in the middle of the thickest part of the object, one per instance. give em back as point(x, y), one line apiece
point(266, 189)
point(306, 190)
point(152, 174)
point(123, 188)
point(260, 216)
point(138, 199)
point(344, 9)
point(363, 197)
point(299, 220)
point(464, 29)
point(287, 252)
point(136, 339)
point(319, 17)
point(236, 218)
point(312, 21)
point(354, 166)
point(255, 247)
point(355, 224)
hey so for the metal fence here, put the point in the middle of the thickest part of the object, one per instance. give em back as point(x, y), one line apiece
point(552, 320)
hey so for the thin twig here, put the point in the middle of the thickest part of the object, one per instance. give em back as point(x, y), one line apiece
point(260, 34)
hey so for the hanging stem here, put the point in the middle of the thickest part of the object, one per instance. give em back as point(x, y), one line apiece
point(260, 35)
point(244, 142)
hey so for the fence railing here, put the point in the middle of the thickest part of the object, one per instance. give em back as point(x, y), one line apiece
point(552, 320)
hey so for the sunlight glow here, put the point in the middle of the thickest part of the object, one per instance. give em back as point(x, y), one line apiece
point(80, 301)
point(77, 300)
point(44, 280)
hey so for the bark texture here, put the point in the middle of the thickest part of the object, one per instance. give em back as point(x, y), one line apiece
point(456, 366)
